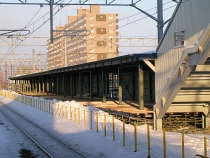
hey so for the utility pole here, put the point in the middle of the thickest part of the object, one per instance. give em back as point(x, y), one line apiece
point(21, 67)
point(1, 79)
point(5, 80)
point(51, 2)
point(39, 58)
point(11, 70)
point(13, 56)
point(160, 19)
point(33, 60)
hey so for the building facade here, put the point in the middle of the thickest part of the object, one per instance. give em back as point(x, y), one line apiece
point(89, 36)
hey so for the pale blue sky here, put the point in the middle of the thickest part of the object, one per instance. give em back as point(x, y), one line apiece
point(17, 16)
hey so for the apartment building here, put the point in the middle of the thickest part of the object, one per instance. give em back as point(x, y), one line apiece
point(89, 36)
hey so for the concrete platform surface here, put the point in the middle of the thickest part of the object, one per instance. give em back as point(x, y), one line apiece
point(112, 104)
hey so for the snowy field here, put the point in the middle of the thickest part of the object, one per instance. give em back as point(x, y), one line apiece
point(78, 133)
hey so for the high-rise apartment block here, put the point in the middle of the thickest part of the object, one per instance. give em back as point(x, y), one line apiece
point(89, 36)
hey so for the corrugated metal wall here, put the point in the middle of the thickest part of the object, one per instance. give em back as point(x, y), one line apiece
point(193, 16)
point(127, 85)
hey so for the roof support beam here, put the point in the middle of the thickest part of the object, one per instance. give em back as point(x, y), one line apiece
point(150, 65)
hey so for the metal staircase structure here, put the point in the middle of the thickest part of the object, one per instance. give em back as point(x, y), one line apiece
point(188, 87)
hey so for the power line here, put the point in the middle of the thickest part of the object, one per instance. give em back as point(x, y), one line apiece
point(7, 53)
point(25, 27)
point(126, 25)
point(94, 27)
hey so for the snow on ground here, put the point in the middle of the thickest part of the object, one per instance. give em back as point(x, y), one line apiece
point(94, 145)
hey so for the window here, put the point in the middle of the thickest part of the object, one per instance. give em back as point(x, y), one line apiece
point(91, 17)
point(91, 24)
point(179, 38)
point(92, 37)
point(100, 17)
point(101, 30)
point(91, 50)
point(110, 24)
point(110, 17)
point(91, 44)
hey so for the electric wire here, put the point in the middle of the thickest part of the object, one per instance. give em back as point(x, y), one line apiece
point(96, 36)
point(9, 49)
point(124, 26)
point(93, 27)
point(136, 21)
point(8, 52)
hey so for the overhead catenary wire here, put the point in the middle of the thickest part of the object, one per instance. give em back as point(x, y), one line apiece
point(7, 53)
point(122, 25)
point(126, 25)
point(94, 27)
point(102, 25)
point(25, 27)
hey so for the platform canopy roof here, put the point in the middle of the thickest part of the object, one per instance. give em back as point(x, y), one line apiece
point(126, 60)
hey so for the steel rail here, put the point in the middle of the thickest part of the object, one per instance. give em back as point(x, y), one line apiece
point(59, 140)
point(26, 134)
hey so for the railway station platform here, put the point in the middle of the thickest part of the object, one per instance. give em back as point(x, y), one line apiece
point(127, 106)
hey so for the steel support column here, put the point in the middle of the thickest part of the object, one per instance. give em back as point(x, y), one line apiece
point(207, 119)
point(23, 85)
point(91, 86)
point(80, 82)
point(26, 85)
point(120, 85)
point(64, 85)
point(39, 84)
point(30, 85)
point(52, 85)
point(47, 82)
point(43, 85)
point(160, 19)
point(20, 85)
point(141, 87)
point(97, 84)
point(35, 85)
point(133, 82)
point(57, 86)
point(103, 87)
point(72, 86)
point(15, 83)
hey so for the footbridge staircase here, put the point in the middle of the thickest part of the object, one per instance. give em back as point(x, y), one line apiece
point(188, 87)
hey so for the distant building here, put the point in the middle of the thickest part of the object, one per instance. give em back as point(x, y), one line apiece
point(1, 79)
point(91, 37)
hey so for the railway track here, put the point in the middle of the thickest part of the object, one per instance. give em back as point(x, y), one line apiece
point(47, 142)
